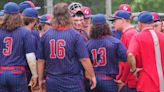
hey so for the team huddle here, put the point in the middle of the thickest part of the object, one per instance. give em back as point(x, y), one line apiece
point(74, 51)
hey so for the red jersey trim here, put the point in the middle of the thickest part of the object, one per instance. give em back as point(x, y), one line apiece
point(61, 27)
point(11, 67)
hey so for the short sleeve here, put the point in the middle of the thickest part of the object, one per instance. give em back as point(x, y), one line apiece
point(80, 47)
point(41, 49)
point(29, 42)
point(134, 46)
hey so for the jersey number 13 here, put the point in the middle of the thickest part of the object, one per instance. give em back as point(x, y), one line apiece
point(99, 61)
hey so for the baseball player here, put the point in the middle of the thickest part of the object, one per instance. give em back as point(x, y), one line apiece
point(15, 50)
point(45, 23)
point(87, 19)
point(76, 12)
point(63, 53)
point(122, 23)
point(157, 22)
point(146, 56)
point(105, 53)
point(115, 32)
point(30, 16)
point(27, 4)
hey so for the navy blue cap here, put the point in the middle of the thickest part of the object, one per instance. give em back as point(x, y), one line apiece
point(145, 17)
point(1, 12)
point(27, 4)
point(11, 8)
point(30, 12)
point(120, 14)
point(98, 19)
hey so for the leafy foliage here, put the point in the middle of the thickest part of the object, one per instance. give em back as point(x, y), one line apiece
point(98, 6)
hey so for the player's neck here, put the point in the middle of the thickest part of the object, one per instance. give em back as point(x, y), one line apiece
point(29, 27)
point(126, 26)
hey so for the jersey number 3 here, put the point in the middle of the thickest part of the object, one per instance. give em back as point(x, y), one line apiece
point(101, 61)
point(57, 49)
point(8, 46)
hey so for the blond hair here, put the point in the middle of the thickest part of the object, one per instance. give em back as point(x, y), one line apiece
point(12, 21)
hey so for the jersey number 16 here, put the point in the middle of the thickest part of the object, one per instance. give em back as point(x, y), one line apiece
point(57, 49)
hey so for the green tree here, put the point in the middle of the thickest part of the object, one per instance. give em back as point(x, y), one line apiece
point(148, 5)
point(98, 6)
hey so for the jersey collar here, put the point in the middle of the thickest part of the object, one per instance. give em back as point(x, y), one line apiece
point(61, 27)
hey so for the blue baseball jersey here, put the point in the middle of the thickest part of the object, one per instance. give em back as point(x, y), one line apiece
point(36, 34)
point(36, 37)
point(84, 35)
point(105, 53)
point(14, 45)
point(62, 49)
point(116, 34)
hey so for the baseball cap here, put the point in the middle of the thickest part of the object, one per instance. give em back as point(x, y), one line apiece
point(30, 12)
point(135, 18)
point(74, 8)
point(27, 4)
point(86, 11)
point(11, 8)
point(120, 14)
point(145, 17)
point(45, 19)
point(98, 19)
point(155, 16)
point(125, 7)
point(1, 12)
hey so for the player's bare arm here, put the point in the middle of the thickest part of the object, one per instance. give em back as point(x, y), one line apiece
point(132, 63)
point(40, 69)
point(89, 69)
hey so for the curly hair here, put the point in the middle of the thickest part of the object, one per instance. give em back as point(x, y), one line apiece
point(12, 21)
point(100, 30)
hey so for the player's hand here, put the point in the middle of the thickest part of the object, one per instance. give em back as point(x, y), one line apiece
point(42, 85)
point(87, 75)
point(120, 84)
point(33, 81)
point(136, 72)
point(93, 82)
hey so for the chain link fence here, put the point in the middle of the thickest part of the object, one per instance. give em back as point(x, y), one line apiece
point(39, 3)
point(95, 5)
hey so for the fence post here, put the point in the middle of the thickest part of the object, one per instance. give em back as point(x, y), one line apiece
point(49, 6)
point(108, 7)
